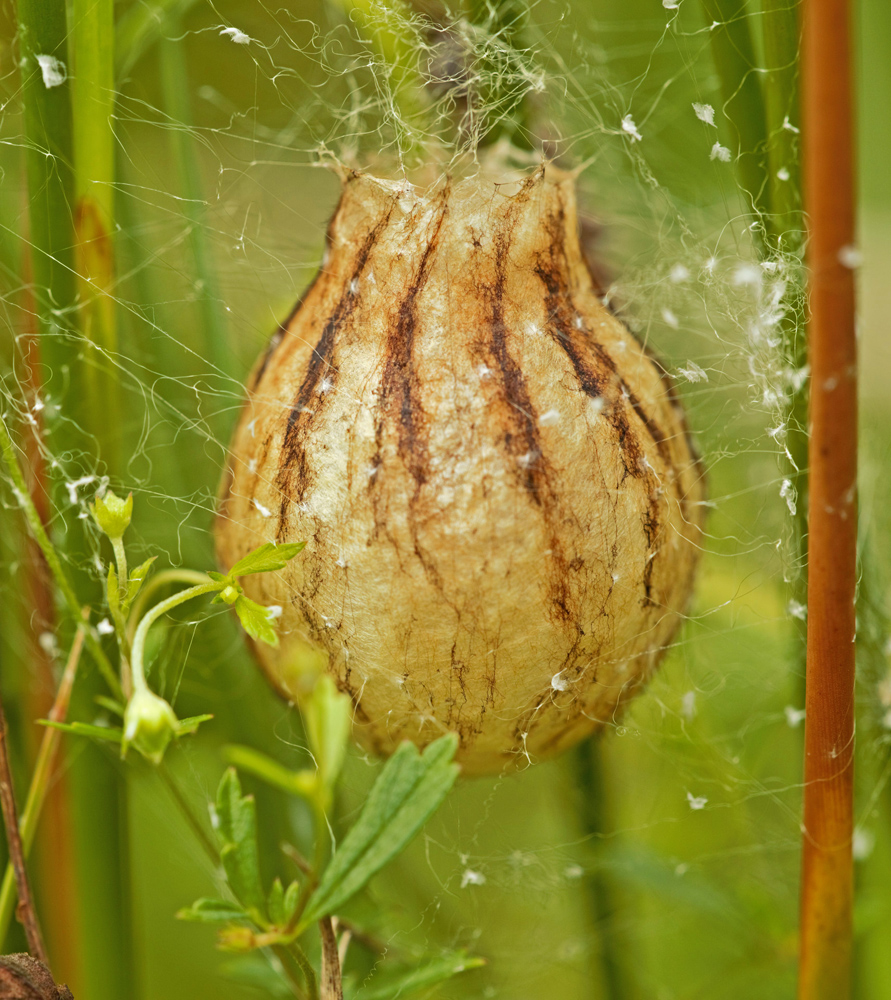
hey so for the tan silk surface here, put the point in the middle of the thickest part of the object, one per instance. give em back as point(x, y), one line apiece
point(500, 501)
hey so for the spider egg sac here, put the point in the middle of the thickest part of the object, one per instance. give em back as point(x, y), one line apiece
point(500, 501)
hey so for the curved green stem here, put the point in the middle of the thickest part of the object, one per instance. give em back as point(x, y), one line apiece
point(162, 579)
point(160, 609)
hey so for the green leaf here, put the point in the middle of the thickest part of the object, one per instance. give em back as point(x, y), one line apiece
point(237, 833)
point(302, 783)
point(327, 715)
point(209, 911)
point(137, 578)
point(292, 898)
point(266, 558)
point(257, 974)
point(190, 725)
point(219, 577)
point(83, 729)
point(256, 619)
point(113, 706)
point(275, 905)
point(409, 980)
point(408, 791)
point(112, 592)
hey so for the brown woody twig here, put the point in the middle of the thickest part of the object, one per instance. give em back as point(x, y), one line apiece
point(827, 871)
point(26, 912)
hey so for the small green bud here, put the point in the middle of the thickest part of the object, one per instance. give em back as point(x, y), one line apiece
point(230, 594)
point(149, 724)
point(112, 514)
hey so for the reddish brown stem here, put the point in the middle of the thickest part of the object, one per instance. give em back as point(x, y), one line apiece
point(26, 912)
point(827, 883)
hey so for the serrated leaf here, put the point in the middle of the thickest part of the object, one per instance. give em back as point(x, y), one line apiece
point(408, 791)
point(137, 578)
point(406, 982)
point(302, 783)
point(237, 832)
point(275, 904)
point(327, 714)
point(256, 619)
point(208, 911)
point(266, 558)
point(107, 734)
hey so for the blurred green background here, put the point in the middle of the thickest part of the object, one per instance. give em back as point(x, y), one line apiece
point(665, 863)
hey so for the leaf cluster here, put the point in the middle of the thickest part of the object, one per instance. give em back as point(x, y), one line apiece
point(409, 789)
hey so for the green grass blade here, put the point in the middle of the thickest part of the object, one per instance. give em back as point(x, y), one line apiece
point(92, 106)
point(734, 56)
point(781, 43)
point(176, 85)
point(141, 26)
point(47, 115)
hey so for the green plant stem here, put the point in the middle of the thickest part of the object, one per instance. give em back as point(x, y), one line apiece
point(182, 803)
point(158, 611)
point(309, 974)
point(120, 558)
point(505, 116)
point(176, 88)
point(734, 57)
point(43, 30)
point(141, 26)
point(79, 430)
point(287, 962)
point(156, 583)
point(52, 558)
point(590, 785)
point(779, 20)
point(40, 780)
point(397, 64)
point(92, 102)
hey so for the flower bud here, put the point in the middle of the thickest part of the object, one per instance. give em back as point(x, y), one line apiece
point(149, 724)
point(112, 514)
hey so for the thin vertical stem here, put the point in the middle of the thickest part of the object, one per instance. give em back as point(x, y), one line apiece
point(593, 816)
point(781, 107)
point(82, 429)
point(734, 56)
point(27, 913)
point(92, 101)
point(46, 99)
point(827, 871)
point(176, 88)
point(40, 779)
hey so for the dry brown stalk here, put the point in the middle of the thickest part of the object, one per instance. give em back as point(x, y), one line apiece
point(26, 912)
point(330, 985)
point(827, 882)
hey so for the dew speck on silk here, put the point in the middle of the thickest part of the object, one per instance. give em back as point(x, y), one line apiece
point(493, 477)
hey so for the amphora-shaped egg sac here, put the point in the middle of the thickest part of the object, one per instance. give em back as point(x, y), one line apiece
point(501, 506)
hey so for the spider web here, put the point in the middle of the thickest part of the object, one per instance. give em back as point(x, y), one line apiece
point(695, 856)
